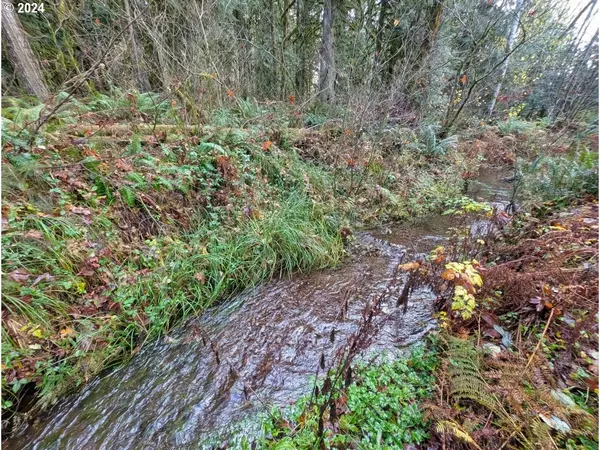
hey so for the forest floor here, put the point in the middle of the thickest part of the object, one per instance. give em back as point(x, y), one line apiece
point(116, 227)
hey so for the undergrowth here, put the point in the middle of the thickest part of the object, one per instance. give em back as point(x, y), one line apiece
point(519, 318)
point(115, 232)
point(380, 408)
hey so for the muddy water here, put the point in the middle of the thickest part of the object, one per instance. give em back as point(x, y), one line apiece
point(264, 346)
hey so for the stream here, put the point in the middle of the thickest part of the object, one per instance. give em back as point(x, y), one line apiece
point(264, 346)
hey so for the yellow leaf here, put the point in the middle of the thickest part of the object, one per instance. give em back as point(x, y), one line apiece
point(37, 333)
point(558, 228)
point(66, 332)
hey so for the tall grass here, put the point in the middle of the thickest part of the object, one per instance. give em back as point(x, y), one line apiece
point(187, 273)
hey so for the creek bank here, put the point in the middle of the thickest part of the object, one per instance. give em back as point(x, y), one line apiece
point(108, 246)
point(257, 350)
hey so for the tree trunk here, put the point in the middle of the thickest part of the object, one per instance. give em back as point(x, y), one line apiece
point(21, 56)
point(141, 76)
point(327, 60)
point(385, 6)
point(509, 44)
point(434, 20)
point(302, 75)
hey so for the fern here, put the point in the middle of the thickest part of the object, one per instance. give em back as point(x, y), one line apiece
point(128, 196)
point(429, 144)
point(453, 428)
point(468, 383)
point(514, 126)
point(541, 435)
point(205, 146)
point(135, 147)
point(18, 117)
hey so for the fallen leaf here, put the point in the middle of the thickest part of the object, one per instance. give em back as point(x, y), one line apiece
point(19, 275)
point(556, 423)
point(33, 234)
point(123, 165)
point(89, 267)
point(200, 277)
point(66, 332)
point(43, 277)
point(79, 210)
point(409, 266)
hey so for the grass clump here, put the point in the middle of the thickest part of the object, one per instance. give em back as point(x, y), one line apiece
point(102, 254)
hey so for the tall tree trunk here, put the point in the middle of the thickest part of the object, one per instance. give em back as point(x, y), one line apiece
point(302, 75)
point(383, 10)
point(141, 76)
point(327, 59)
point(509, 44)
point(243, 60)
point(434, 20)
point(20, 54)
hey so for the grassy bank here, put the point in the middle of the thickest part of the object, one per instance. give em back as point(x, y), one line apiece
point(116, 229)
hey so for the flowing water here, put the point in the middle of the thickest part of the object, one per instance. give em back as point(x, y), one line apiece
point(258, 350)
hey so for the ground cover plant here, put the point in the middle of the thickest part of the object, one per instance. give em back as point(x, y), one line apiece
point(519, 318)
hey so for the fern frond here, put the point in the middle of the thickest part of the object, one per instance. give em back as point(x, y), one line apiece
point(453, 428)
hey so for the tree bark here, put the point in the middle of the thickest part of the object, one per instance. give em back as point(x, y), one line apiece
point(143, 85)
point(302, 75)
point(21, 56)
point(385, 5)
point(511, 39)
point(327, 59)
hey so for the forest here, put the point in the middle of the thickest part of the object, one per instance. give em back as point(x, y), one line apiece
point(300, 224)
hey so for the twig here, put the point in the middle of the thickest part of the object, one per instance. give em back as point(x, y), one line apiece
point(540, 341)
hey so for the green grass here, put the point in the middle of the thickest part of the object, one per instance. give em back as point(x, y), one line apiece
point(185, 274)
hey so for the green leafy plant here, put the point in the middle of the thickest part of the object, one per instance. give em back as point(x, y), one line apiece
point(552, 178)
point(514, 126)
point(382, 408)
point(430, 144)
